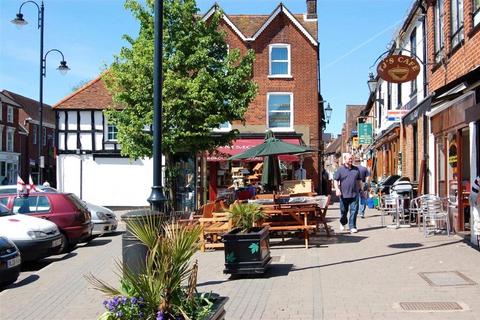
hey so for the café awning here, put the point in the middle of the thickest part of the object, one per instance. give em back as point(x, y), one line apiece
point(242, 145)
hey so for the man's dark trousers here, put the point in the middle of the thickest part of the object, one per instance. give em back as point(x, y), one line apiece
point(345, 205)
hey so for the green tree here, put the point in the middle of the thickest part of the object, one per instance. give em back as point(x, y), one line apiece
point(205, 84)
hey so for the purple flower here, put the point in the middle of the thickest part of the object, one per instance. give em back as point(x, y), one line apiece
point(133, 300)
point(119, 314)
point(124, 300)
point(159, 315)
point(105, 302)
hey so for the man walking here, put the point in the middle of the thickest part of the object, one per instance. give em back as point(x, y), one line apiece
point(362, 199)
point(348, 184)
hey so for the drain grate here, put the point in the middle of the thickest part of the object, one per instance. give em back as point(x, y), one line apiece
point(431, 306)
point(446, 278)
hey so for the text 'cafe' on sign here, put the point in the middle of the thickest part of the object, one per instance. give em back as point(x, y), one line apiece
point(398, 68)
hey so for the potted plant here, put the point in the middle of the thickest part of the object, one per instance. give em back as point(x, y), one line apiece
point(166, 287)
point(247, 248)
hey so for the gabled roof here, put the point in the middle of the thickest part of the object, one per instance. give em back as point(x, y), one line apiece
point(94, 95)
point(31, 107)
point(250, 27)
point(6, 99)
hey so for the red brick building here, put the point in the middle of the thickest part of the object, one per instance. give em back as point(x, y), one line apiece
point(454, 73)
point(25, 127)
point(286, 72)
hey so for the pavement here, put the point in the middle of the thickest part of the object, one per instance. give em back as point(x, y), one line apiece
point(376, 273)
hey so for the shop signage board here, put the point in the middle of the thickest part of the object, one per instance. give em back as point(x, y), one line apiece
point(365, 133)
point(398, 68)
point(396, 115)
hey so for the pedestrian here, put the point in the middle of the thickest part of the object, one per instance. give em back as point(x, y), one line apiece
point(362, 199)
point(348, 184)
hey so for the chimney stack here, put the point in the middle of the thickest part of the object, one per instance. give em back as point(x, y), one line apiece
point(311, 9)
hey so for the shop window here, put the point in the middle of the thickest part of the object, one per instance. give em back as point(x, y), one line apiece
point(280, 111)
point(439, 37)
point(441, 187)
point(456, 22)
point(224, 127)
point(476, 12)
point(280, 65)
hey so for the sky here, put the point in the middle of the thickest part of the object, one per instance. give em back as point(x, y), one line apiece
point(352, 35)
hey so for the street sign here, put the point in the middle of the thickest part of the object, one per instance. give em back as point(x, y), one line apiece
point(365, 133)
point(396, 115)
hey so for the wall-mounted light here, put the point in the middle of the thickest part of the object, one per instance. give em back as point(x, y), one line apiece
point(328, 113)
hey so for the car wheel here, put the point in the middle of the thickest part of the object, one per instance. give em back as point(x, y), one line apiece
point(65, 244)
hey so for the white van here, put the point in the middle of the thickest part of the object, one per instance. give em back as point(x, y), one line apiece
point(35, 238)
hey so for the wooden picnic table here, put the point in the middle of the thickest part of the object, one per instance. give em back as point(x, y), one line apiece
point(302, 216)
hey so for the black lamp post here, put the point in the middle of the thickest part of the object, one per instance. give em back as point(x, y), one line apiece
point(372, 83)
point(63, 68)
point(157, 197)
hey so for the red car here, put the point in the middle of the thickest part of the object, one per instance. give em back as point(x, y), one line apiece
point(64, 209)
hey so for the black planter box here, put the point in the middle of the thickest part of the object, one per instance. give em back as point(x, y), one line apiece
point(218, 310)
point(247, 252)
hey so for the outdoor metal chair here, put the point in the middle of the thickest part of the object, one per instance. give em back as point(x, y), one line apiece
point(417, 208)
point(434, 215)
point(388, 206)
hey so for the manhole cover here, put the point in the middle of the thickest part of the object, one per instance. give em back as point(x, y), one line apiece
point(446, 278)
point(431, 306)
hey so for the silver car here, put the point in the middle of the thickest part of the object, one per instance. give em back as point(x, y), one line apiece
point(103, 219)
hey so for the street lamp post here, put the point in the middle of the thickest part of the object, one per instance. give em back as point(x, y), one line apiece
point(63, 68)
point(157, 197)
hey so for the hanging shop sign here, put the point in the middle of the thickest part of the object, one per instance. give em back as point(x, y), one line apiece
point(365, 133)
point(398, 68)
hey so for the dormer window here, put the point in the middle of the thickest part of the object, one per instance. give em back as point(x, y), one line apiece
point(280, 62)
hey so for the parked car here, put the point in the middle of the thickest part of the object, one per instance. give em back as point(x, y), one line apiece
point(67, 211)
point(103, 219)
point(35, 238)
point(10, 262)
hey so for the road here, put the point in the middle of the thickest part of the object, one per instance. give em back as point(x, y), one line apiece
point(56, 288)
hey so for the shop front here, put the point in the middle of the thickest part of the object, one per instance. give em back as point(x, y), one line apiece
point(453, 156)
point(387, 157)
point(9, 167)
point(225, 177)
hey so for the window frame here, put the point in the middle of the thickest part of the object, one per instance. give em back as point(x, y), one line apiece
point(10, 131)
point(109, 125)
point(413, 53)
point(226, 129)
point(10, 116)
point(475, 13)
point(288, 61)
point(280, 129)
point(438, 26)
point(456, 31)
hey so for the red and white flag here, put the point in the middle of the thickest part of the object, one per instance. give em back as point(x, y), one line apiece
point(31, 185)
point(20, 184)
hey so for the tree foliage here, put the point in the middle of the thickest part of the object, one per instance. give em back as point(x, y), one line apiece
point(204, 84)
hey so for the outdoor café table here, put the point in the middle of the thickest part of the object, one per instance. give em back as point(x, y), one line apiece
point(298, 213)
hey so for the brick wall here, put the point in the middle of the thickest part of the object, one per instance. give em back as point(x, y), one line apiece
point(459, 61)
point(303, 83)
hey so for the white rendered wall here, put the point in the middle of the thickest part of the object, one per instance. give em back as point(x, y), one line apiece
point(106, 181)
point(474, 211)
point(431, 163)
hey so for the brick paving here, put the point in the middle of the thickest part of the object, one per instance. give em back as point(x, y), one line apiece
point(360, 276)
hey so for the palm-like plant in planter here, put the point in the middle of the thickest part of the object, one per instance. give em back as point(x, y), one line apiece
point(159, 292)
point(247, 248)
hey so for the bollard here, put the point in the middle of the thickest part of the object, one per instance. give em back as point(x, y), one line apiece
point(134, 252)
